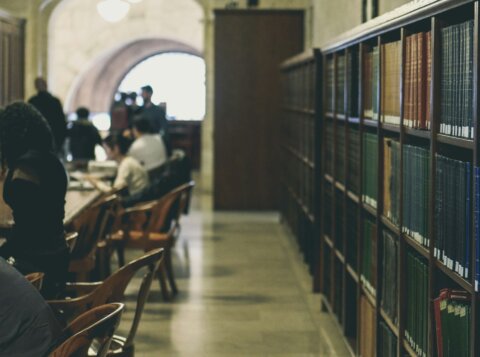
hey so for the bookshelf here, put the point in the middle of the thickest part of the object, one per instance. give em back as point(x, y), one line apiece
point(398, 181)
point(300, 153)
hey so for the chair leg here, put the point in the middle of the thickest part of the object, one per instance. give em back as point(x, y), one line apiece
point(169, 270)
point(120, 254)
point(161, 274)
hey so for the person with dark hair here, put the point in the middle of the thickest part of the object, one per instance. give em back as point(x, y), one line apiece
point(83, 136)
point(51, 109)
point(156, 115)
point(29, 327)
point(130, 173)
point(148, 147)
point(34, 188)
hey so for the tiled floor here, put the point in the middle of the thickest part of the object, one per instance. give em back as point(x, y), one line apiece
point(244, 291)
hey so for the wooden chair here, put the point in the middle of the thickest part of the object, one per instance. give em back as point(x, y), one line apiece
point(160, 230)
point(91, 227)
point(96, 325)
point(71, 239)
point(36, 279)
point(112, 289)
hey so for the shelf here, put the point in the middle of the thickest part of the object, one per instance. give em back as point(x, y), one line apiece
point(424, 134)
point(454, 276)
point(391, 127)
point(454, 141)
point(299, 156)
point(368, 295)
point(328, 178)
point(369, 209)
point(328, 241)
point(354, 120)
point(408, 348)
point(329, 115)
point(387, 223)
point(340, 256)
point(389, 322)
point(340, 186)
point(341, 117)
point(417, 246)
point(299, 110)
point(353, 196)
point(353, 273)
point(371, 123)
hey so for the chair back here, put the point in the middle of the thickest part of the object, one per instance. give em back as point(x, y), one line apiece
point(184, 199)
point(97, 324)
point(36, 279)
point(71, 240)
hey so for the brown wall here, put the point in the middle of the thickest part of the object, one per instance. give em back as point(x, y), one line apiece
point(249, 46)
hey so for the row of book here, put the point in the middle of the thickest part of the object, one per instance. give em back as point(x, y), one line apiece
point(418, 77)
point(339, 220)
point(476, 220)
point(391, 180)
point(452, 323)
point(299, 178)
point(340, 87)
point(368, 269)
point(388, 341)
point(390, 276)
point(456, 83)
point(367, 328)
point(417, 304)
point(370, 162)
point(353, 160)
point(298, 133)
point(415, 193)
point(328, 147)
point(340, 154)
point(453, 214)
point(299, 87)
point(391, 60)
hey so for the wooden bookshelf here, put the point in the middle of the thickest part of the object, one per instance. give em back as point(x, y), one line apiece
point(360, 116)
point(299, 128)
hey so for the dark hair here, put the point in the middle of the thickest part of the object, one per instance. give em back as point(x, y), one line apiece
point(82, 112)
point(22, 128)
point(148, 89)
point(119, 140)
point(132, 95)
point(143, 125)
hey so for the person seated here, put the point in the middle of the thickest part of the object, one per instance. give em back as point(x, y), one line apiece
point(130, 173)
point(83, 136)
point(29, 327)
point(148, 147)
point(34, 187)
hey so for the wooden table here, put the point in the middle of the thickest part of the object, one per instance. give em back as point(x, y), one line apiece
point(76, 202)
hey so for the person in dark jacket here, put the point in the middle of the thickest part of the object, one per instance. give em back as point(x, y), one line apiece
point(83, 136)
point(28, 326)
point(34, 187)
point(51, 109)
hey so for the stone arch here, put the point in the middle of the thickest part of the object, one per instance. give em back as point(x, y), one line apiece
point(96, 86)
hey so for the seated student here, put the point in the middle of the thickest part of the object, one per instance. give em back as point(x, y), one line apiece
point(83, 136)
point(148, 147)
point(34, 188)
point(130, 173)
point(28, 326)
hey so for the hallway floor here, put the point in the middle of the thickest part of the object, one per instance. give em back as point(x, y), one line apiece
point(243, 291)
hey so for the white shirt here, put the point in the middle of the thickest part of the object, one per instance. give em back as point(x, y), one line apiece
point(131, 174)
point(149, 150)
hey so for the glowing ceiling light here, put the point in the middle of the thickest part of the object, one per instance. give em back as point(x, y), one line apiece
point(113, 10)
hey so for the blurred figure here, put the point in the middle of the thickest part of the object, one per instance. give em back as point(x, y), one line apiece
point(119, 115)
point(83, 136)
point(156, 115)
point(51, 109)
point(29, 327)
point(34, 188)
point(148, 147)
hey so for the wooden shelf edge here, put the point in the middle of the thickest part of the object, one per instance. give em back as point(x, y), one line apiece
point(424, 134)
point(341, 117)
point(329, 115)
point(340, 186)
point(353, 196)
point(417, 246)
point(391, 128)
point(408, 348)
point(455, 277)
point(353, 273)
point(369, 209)
point(328, 241)
point(389, 322)
point(354, 120)
point(454, 141)
point(368, 295)
point(328, 178)
point(299, 156)
point(387, 223)
point(340, 256)
point(371, 123)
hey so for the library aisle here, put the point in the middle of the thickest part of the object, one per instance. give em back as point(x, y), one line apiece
point(243, 291)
